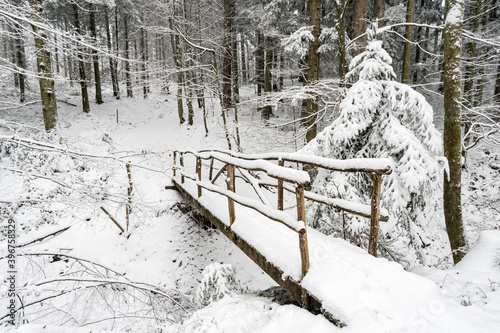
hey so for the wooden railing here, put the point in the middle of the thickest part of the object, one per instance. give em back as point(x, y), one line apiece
point(284, 178)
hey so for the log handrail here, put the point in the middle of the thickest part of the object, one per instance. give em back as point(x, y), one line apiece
point(272, 170)
point(382, 166)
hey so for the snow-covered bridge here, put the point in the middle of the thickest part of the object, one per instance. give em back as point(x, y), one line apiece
point(248, 218)
point(343, 282)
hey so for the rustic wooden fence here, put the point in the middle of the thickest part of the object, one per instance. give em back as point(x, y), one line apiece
point(284, 179)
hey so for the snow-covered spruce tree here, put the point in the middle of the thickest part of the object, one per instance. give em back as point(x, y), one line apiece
point(381, 118)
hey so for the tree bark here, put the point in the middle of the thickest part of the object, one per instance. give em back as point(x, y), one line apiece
point(44, 68)
point(483, 51)
point(405, 73)
point(227, 54)
point(128, 81)
point(378, 14)
point(360, 11)
point(452, 128)
point(174, 41)
point(313, 68)
point(243, 61)
point(21, 64)
point(111, 60)
point(143, 63)
point(471, 51)
point(340, 8)
point(267, 110)
point(259, 62)
point(117, 53)
point(81, 64)
point(496, 93)
point(95, 58)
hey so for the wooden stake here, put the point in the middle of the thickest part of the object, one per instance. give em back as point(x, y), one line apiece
point(128, 207)
point(374, 226)
point(301, 216)
point(211, 169)
point(117, 116)
point(175, 163)
point(304, 251)
point(280, 187)
point(198, 172)
point(301, 208)
point(230, 187)
point(181, 161)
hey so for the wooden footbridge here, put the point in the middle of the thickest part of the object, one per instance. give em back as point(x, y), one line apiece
point(239, 204)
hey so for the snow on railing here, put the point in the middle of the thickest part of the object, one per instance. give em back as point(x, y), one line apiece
point(297, 181)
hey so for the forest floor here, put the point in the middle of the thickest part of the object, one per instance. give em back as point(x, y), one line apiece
point(91, 277)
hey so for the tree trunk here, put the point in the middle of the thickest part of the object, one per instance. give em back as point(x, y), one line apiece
point(95, 58)
point(143, 64)
point(44, 68)
point(496, 93)
point(117, 53)
point(81, 64)
point(259, 62)
point(483, 54)
point(128, 81)
point(234, 67)
point(453, 127)
point(405, 73)
point(378, 14)
point(21, 64)
point(268, 110)
point(313, 68)
point(111, 60)
point(243, 61)
point(341, 10)
point(174, 40)
point(471, 51)
point(56, 51)
point(227, 53)
point(360, 11)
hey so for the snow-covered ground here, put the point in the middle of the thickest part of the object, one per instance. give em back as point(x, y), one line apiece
point(145, 280)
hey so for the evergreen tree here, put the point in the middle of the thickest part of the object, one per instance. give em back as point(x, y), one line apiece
point(381, 118)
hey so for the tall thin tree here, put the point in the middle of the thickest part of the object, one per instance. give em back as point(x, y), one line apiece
point(44, 68)
point(453, 127)
point(81, 64)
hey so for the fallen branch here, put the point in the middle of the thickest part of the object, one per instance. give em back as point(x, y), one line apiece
point(42, 238)
point(112, 219)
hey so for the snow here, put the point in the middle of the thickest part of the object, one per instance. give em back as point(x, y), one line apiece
point(485, 255)
point(166, 248)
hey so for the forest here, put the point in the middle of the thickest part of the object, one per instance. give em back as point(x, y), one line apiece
point(97, 95)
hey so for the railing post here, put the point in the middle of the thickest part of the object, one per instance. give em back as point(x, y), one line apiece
point(230, 187)
point(198, 172)
point(175, 163)
point(280, 187)
point(301, 216)
point(211, 169)
point(375, 203)
point(181, 162)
